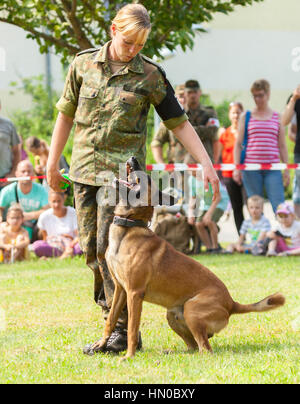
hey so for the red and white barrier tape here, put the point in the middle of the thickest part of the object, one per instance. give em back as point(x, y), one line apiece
point(222, 167)
point(12, 179)
point(184, 167)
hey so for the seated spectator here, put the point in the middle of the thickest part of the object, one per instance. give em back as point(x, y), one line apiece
point(226, 148)
point(254, 230)
point(206, 224)
point(14, 239)
point(40, 149)
point(59, 229)
point(32, 197)
point(285, 237)
point(265, 144)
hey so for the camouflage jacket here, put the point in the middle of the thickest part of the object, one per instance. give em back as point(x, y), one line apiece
point(208, 134)
point(110, 112)
point(176, 151)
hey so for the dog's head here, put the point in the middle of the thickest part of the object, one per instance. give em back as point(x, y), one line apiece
point(139, 191)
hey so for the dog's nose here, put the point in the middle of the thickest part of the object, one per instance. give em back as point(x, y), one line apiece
point(133, 164)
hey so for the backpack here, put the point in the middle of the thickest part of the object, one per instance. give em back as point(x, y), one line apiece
point(174, 228)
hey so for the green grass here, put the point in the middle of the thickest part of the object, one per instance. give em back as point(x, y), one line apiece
point(51, 315)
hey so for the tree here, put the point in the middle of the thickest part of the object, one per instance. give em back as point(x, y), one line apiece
point(74, 25)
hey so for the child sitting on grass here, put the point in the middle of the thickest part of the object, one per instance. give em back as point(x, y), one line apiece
point(206, 224)
point(59, 230)
point(285, 237)
point(14, 240)
point(254, 230)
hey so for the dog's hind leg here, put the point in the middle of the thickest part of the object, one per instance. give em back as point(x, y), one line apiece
point(177, 323)
point(134, 306)
point(204, 319)
point(196, 322)
point(118, 303)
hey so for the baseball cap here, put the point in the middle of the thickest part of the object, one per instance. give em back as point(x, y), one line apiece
point(192, 85)
point(285, 208)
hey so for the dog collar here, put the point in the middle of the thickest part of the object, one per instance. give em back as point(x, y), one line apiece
point(123, 221)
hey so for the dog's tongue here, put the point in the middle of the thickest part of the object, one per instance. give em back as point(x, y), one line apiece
point(125, 183)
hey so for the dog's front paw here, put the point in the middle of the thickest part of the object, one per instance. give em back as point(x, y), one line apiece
point(99, 345)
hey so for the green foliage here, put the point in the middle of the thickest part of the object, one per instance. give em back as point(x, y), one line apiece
point(221, 109)
point(70, 26)
point(39, 119)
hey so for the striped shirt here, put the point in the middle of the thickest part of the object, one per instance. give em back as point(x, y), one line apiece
point(252, 230)
point(263, 137)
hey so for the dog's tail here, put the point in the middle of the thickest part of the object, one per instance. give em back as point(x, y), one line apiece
point(269, 303)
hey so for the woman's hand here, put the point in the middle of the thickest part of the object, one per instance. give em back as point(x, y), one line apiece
point(210, 176)
point(237, 176)
point(55, 179)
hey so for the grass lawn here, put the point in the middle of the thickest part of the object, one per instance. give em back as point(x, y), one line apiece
point(50, 316)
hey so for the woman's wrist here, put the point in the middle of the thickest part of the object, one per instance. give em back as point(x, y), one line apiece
point(52, 166)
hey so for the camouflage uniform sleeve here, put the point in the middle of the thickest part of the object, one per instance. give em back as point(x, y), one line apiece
point(68, 102)
point(161, 136)
point(166, 104)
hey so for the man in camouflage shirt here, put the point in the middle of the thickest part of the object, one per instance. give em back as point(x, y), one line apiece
point(203, 118)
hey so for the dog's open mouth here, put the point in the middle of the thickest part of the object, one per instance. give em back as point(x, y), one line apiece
point(132, 181)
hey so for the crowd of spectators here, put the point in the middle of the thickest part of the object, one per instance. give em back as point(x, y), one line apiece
point(34, 218)
point(254, 137)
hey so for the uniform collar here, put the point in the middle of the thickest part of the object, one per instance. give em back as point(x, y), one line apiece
point(135, 65)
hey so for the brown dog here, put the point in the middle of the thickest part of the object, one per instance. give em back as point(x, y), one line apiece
point(145, 267)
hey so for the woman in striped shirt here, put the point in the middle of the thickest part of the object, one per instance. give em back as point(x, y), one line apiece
point(266, 144)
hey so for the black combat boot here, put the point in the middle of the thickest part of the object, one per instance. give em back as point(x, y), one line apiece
point(116, 343)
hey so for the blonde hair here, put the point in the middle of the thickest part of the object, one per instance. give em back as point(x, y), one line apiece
point(256, 199)
point(16, 207)
point(261, 85)
point(132, 19)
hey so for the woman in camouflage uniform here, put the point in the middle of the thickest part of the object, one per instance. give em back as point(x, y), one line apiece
point(107, 93)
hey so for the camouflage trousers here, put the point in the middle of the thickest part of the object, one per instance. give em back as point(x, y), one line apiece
point(93, 227)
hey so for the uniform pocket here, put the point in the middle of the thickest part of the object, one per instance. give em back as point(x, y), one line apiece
point(88, 92)
point(87, 105)
point(131, 111)
point(128, 97)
